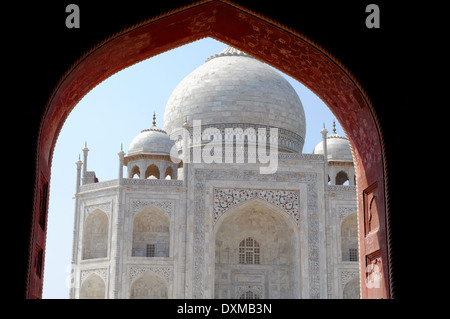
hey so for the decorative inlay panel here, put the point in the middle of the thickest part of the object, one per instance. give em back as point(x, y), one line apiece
point(343, 212)
point(104, 207)
point(137, 205)
point(163, 271)
point(347, 275)
point(98, 271)
point(225, 198)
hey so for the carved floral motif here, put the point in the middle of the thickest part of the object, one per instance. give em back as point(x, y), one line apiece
point(137, 205)
point(287, 200)
point(347, 275)
point(163, 271)
point(99, 271)
point(104, 207)
point(345, 211)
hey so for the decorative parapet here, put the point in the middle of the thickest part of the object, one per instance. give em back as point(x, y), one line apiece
point(301, 157)
point(99, 185)
point(153, 182)
point(131, 182)
point(245, 154)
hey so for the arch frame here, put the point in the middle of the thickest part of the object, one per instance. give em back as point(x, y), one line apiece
point(83, 233)
point(150, 209)
point(89, 277)
point(284, 48)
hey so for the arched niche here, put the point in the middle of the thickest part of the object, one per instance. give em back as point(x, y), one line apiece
point(93, 287)
point(151, 233)
point(95, 235)
point(267, 233)
point(351, 289)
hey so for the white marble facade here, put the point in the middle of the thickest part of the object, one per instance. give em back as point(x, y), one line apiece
point(216, 230)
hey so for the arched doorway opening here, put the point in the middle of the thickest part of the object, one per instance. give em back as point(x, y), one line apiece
point(274, 44)
point(257, 253)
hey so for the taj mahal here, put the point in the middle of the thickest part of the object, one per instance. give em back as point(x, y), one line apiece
point(220, 201)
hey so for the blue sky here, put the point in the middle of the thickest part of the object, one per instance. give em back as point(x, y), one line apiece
point(115, 112)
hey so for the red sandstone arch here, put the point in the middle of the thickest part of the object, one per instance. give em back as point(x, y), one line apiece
point(284, 49)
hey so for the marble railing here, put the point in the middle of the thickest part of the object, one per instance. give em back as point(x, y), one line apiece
point(99, 185)
point(130, 182)
point(153, 182)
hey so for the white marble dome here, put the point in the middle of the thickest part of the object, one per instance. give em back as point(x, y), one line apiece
point(338, 148)
point(233, 88)
point(153, 141)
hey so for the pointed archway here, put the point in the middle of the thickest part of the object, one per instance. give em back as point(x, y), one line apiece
point(257, 253)
point(93, 287)
point(274, 44)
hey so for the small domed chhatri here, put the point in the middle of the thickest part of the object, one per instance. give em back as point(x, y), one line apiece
point(149, 154)
point(338, 147)
point(233, 89)
point(339, 156)
point(152, 140)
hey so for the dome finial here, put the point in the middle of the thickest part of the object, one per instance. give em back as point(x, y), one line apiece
point(154, 119)
point(334, 127)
